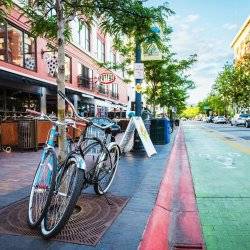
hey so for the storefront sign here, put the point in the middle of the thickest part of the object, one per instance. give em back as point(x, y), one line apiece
point(151, 54)
point(107, 78)
point(136, 123)
point(139, 71)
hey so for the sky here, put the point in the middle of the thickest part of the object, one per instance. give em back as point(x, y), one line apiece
point(205, 28)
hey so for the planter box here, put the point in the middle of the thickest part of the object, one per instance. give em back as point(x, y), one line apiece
point(9, 133)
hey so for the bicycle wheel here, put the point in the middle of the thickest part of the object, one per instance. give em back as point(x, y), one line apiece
point(42, 188)
point(68, 188)
point(106, 169)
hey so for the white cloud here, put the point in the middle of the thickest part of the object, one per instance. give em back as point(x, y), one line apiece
point(189, 38)
point(192, 18)
point(230, 26)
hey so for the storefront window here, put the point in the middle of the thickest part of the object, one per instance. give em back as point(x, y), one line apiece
point(102, 111)
point(17, 47)
point(14, 46)
point(15, 102)
point(86, 109)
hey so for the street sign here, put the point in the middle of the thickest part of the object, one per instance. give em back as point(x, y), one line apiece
point(151, 54)
point(136, 123)
point(139, 71)
point(138, 88)
point(107, 78)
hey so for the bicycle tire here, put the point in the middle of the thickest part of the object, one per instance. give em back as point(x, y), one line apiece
point(105, 167)
point(48, 231)
point(40, 187)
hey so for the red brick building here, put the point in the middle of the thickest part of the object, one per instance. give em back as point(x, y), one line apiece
point(27, 82)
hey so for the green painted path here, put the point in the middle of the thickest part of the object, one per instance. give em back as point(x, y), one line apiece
point(221, 175)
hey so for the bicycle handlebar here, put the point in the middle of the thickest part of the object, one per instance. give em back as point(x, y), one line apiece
point(57, 123)
point(80, 117)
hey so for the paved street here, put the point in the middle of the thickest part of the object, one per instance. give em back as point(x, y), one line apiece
point(220, 169)
point(238, 132)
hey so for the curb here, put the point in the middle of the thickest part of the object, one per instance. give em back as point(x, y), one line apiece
point(174, 221)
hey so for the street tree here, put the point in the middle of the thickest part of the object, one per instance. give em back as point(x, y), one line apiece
point(5, 6)
point(167, 83)
point(51, 19)
point(190, 112)
point(233, 85)
point(216, 103)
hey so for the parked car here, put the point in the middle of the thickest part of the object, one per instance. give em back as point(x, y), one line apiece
point(220, 119)
point(239, 119)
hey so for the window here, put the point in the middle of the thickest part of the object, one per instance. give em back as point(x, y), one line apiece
point(114, 91)
point(81, 33)
point(14, 46)
point(67, 69)
point(2, 41)
point(17, 47)
point(114, 58)
point(29, 52)
point(100, 50)
point(85, 76)
point(84, 36)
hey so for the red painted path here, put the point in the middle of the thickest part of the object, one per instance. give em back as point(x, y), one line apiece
point(174, 222)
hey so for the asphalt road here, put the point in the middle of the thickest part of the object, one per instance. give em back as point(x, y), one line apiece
point(240, 133)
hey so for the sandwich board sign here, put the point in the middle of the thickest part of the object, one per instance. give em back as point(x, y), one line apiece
point(136, 123)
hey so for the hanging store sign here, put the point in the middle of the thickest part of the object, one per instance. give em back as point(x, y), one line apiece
point(52, 64)
point(107, 78)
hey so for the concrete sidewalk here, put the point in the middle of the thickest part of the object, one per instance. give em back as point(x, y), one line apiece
point(220, 170)
point(138, 177)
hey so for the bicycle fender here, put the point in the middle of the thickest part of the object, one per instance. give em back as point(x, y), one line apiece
point(80, 162)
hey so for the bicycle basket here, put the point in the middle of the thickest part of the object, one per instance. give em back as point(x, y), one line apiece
point(93, 131)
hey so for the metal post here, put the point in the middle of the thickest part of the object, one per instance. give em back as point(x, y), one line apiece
point(138, 107)
point(138, 81)
point(43, 100)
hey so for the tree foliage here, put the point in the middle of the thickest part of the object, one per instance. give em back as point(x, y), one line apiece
point(167, 83)
point(231, 90)
point(190, 112)
point(5, 5)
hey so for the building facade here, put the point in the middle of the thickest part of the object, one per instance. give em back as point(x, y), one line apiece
point(241, 42)
point(28, 67)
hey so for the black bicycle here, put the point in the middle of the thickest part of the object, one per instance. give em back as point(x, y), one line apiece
point(93, 162)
